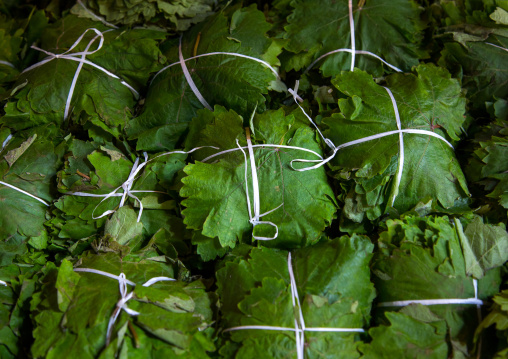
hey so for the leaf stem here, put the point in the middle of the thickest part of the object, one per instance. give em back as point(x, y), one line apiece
point(196, 44)
point(134, 334)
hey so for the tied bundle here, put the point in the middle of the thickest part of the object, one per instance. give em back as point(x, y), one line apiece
point(431, 276)
point(162, 316)
point(278, 304)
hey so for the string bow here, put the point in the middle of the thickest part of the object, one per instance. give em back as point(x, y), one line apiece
point(125, 296)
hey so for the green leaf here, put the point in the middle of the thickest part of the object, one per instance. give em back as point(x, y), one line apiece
point(65, 284)
point(421, 258)
point(488, 164)
point(430, 101)
point(170, 312)
point(30, 163)
point(175, 15)
point(391, 29)
point(406, 337)
point(216, 202)
point(485, 246)
point(102, 169)
point(123, 226)
point(332, 280)
point(234, 82)
point(98, 100)
point(482, 66)
point(498, 316)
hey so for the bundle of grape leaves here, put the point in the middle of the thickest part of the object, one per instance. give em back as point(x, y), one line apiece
point(254, 179)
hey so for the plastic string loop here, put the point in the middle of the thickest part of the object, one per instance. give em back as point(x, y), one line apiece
point(255, 219)
point(264, 146)
point(401, 145)
point(125, 296)
point(403, 303)
point(264, 63)
point(300, 327)
point(25, 192)
point(81, 58)
point(127, 185)
point(6, 141)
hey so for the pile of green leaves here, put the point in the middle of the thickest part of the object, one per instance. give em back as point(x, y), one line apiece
point(149, 174)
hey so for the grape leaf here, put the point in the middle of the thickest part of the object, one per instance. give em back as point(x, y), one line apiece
point(215, 197)
point(236, 83)
point(433, 102)
point(98, 100)
point(171, 313)
point(391, 29)
point(333, 287)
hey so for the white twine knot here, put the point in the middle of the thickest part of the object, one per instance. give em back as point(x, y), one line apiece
point(127, 191)
point(255, 219)
point(300, 327)
point(3, 283)
point(125, 296)
point(81, 58)
point(127, 185)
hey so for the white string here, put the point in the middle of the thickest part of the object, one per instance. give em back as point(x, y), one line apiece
point(127, 185)
point(300, 327)
point(106, 274)
point(360, 52)
point(328, 142)
point(3, 283)
point(219, 53)
point(335, 149)
point(96, 17)
point(189, 79)
point(7, 63)
point(352, 33)
point(403, 303)
point(264, 146)
point(25, 192)
point(401, 145)
point(499, 47)
point(6, 141)
point(81, 58)
point(353, 50)
point(254, 219)
point(124, 295)
point(298, 99)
